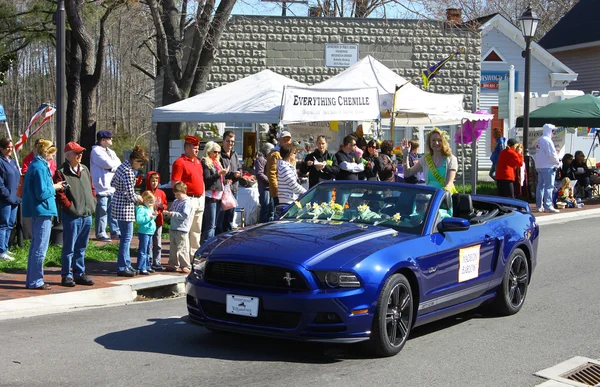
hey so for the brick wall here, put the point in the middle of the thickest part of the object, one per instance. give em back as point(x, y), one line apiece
point(295, 47)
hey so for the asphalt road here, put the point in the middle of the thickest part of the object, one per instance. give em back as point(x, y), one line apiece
point(146, 344)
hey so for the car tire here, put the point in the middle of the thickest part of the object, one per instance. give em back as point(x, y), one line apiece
point(513, 289)
point(393, 317)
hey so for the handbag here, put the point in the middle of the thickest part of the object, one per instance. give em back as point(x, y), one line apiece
point(228, 200)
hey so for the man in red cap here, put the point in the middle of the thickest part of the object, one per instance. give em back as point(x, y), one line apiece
point(188, 169)
point(77, 203)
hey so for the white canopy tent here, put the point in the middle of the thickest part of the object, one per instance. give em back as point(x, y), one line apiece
point(414, 107)
point(254, 99)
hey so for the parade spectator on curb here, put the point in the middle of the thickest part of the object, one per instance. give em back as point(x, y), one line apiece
point(284, 138)
point(188, 169)
point(387, 171)
point(318, 164)
point(182, 216)
point(288, 187)
point(546, 161)
point(77, 204)
point(40, 205)
point(348, 162)
point(509, 160)
point(413, 158)
point(361, 142)
point(29, 158)
point(123, 206)
point(161, 204)
point(230, 162)
point(582, 173)
point(500, 146)
point(9, 201)
point(145, 216)
point(439, 166)
point(103, 164)
point(566, 169)
point(213, 183)
point(263, 183)
point(374, 162)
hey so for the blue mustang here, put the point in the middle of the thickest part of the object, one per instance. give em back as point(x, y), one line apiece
point(365, 261)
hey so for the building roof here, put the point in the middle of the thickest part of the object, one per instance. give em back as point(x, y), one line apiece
point(578, 27)
point(560, 72)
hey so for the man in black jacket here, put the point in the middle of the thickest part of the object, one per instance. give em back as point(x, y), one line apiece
point(319, 165)
point(348, 162)
point(231, 162)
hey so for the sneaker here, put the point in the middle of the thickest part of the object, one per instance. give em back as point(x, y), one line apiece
point(157, 267)
point(170, 269)
point(551, 209)
point(115, 236)
point(151, 271)
point(103, 239)
point(588, 188)
point(68, 282)
point(541, 209)
point(144, 272)
point(6, 257)
point(10, 253)
point(84, 280)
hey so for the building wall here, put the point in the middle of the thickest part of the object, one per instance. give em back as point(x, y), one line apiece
point(295, 47)
point(585, 62)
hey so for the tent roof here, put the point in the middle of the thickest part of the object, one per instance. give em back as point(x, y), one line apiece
point(579, 111)
point(369, 72)
point(256, 98)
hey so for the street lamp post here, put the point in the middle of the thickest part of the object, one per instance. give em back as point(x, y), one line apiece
point(528, 23)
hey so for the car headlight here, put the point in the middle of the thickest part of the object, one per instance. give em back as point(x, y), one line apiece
point(338, 279)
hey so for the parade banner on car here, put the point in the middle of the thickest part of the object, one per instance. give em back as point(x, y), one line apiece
point(301, 104)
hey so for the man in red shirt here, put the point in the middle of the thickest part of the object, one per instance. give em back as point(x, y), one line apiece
point(188, 169)
point(509, 160)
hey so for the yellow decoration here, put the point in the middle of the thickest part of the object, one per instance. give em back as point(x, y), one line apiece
point(333, 126)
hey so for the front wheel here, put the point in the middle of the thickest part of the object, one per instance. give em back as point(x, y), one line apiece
point(514, 286)
point(393, 317)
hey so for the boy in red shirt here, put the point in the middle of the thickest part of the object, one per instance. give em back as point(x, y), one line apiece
point(152, 181)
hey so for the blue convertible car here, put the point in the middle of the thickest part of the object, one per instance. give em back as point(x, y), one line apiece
point(365, 261)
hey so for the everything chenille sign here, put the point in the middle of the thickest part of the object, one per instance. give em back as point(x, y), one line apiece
point(303, 104)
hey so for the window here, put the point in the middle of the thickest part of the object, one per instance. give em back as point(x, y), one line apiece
point(493, 56)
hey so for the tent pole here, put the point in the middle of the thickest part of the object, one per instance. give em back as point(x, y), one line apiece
point(393, 115)
point(462, 144)
point(474, 172)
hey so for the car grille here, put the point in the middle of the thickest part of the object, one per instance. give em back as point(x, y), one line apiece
point(265, 318)
point(242, 274)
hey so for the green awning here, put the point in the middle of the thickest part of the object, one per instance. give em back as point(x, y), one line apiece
point(579, 111)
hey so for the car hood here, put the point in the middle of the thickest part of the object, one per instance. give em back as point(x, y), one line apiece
point(312, 244)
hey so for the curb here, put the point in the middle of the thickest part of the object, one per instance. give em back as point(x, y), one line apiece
point(563, 218)
point(126, 291)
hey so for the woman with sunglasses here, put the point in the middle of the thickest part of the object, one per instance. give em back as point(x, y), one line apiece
point(374, 162)
point(214, 176)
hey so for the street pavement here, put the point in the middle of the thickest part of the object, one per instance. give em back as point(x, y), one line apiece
point(146, 343)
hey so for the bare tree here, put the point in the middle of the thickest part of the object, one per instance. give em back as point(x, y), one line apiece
point(184, 70)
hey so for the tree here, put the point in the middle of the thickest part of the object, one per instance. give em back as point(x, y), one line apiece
point(184, 76)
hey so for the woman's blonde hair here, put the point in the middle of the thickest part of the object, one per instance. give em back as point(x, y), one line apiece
point(44, 147)
point(565, 182)
point(446, 151)
point(208, 148)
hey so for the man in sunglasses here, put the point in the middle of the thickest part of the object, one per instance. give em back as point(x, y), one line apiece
point(77, 203)
point(231, 162)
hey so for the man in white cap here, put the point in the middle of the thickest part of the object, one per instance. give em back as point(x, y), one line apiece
point(546, 161)
point(284, 138)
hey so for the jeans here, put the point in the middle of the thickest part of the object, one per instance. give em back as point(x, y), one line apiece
point(143, 258)
point(124, 259)
point(545, 186)
point(102, 214)
point(8, 216)
point(225, 218)
point(265, 206)
point(212, 209)
point(156, 246)
point(40, 237)
point(76, 232)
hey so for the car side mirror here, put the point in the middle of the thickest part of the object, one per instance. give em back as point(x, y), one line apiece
point(281, 209)
point(453, 224)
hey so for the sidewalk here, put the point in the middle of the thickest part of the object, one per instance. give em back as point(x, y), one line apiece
point(16, 301)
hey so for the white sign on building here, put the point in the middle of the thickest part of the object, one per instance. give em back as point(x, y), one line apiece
point(340, 54)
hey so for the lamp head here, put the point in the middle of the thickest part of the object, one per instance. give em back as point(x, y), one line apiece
point(528, 22)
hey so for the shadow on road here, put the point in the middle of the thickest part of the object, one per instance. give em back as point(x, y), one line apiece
point(172, 336)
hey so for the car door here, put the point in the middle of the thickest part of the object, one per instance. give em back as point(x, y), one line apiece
point(462, 267)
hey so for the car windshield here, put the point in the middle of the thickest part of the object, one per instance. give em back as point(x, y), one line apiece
point(399, 207)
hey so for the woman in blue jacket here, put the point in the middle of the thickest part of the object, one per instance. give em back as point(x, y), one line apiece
point(9, 202)
point(40, 205)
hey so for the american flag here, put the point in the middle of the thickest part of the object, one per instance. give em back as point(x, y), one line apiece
point(45, 112)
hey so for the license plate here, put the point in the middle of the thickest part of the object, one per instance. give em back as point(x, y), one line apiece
point(242, 305)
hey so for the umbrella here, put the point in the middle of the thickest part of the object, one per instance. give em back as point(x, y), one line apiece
point(579, 111)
